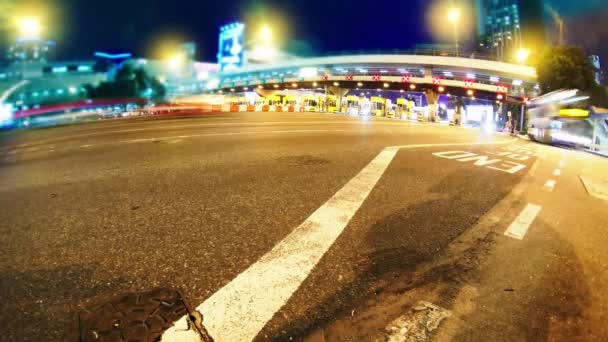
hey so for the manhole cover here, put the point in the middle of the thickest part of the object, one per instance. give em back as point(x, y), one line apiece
point(137, 317)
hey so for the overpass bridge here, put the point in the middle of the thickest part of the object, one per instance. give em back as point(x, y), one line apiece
point(341, 74)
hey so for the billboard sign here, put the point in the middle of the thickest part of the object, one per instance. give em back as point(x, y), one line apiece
point(231, 54)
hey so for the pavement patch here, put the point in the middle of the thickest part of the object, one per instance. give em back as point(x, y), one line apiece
point(418, 324)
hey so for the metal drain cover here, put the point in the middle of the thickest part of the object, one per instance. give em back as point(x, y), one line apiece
point(137, 317)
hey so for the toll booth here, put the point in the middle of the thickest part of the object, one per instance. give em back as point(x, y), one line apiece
point(391, 109)
point(410, 109)
point(331, 103)
point(378, 106)
point(353, 105)
point(271, 104)
point(259, 103)
point(310, 103)
point(402, 108)
point(289, 103)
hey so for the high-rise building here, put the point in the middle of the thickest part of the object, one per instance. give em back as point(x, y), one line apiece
point(31, 50)
point(504, 26)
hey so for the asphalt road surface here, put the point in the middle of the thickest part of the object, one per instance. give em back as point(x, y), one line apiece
point(284, 218)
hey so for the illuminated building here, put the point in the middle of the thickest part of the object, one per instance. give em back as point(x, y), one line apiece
point(504, 26)
point(30, 50)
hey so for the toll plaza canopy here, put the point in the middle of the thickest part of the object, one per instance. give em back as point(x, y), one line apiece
point(366, 70)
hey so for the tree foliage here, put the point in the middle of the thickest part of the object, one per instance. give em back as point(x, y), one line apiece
point(128, 82)
point(567, 67)
point(564, 67)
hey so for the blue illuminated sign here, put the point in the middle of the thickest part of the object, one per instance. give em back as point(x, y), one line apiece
point(112, 56)
point(231, 53)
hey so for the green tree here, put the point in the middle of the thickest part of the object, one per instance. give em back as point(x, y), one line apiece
point(567, 67)
point(564, 67)
point(128, 82)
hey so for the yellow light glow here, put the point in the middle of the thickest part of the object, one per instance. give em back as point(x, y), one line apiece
point(522, 55)
point(454, 15)
point(265, 34)
point(29, 27)
point(176, 62)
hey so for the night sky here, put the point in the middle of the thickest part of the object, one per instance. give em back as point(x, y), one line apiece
point(318, 26)
point(322, 25)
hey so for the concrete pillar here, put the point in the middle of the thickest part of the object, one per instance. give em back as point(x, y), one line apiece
point(522, 117)
point(339, 93)
point(432, 97)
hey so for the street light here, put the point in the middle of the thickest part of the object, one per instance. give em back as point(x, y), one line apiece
point(262, 48)
point(522, 55)
point(454, 17)
point(176, 61)
point(29, 28)
point(265, 34)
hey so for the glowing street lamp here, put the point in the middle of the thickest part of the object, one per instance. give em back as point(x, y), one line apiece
point(522, 55)
point(175, 62)
point(29, 28)
point(262, 47)
point(265, 34)
point(454, 17)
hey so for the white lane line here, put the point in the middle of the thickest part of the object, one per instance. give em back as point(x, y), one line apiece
point(562, 164)
point(456, 144)
point(239, 310)
point(519, 227)
point(557, 172)
point(229, 134)
point(312, 130)
point(550, 185)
